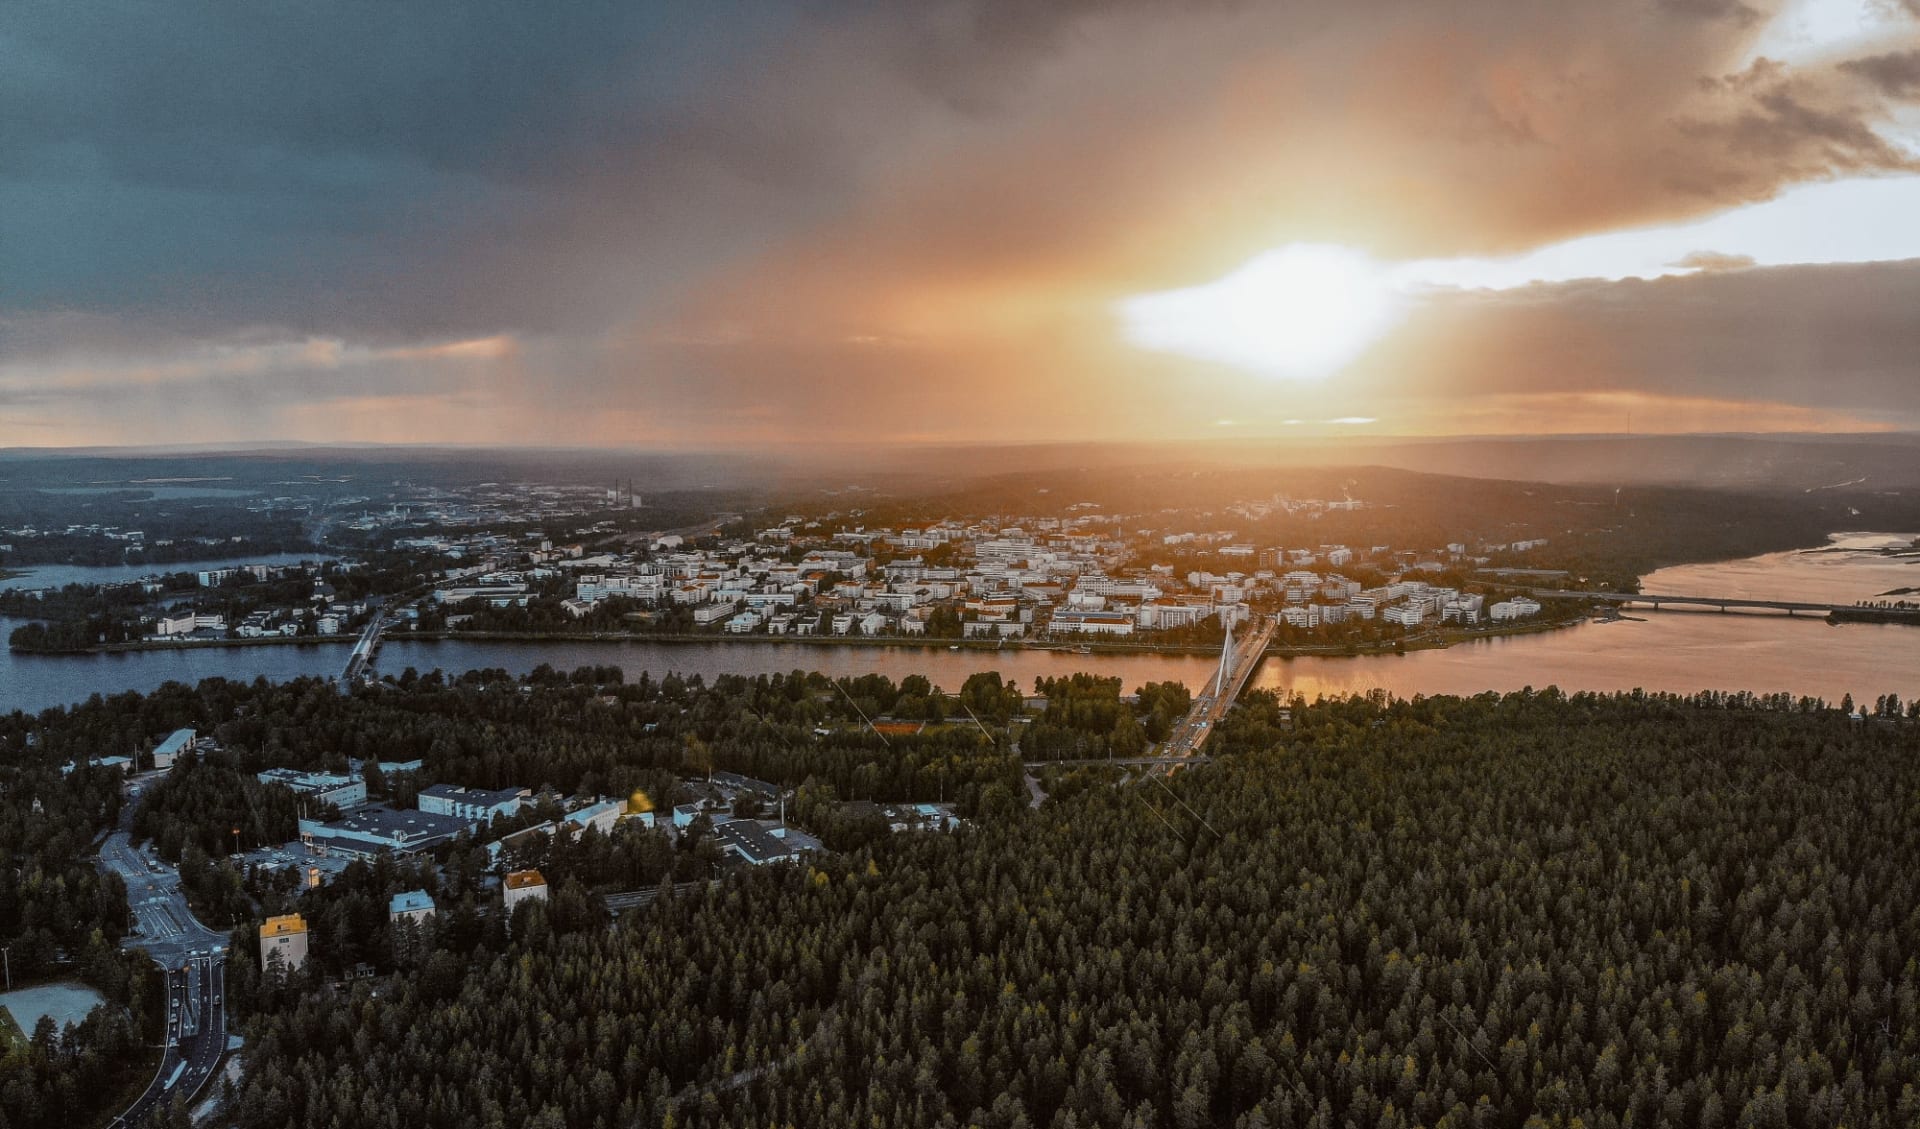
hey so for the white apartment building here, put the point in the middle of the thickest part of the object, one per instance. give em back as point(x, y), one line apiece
point(1158, 616)
point(1406, 615)
point(1519, 607)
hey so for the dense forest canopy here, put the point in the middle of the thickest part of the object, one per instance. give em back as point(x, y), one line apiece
point(61, 918)
point(1522, 910)
point(1518, 911)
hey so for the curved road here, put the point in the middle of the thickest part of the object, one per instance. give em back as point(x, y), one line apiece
point(194, 958)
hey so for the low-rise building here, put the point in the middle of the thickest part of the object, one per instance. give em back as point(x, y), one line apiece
point(174, 623)
point(738, 783)
point(340, 791)
point(1406, 615)
point(706, 615)
point(753, 842)
point(1519, 607)
point(685, 814)
point(499, 595)
point(413, 905)
point(172, 745)
point(600, 815)
point(377, 829)
point(476, 805)
point(1071, 622)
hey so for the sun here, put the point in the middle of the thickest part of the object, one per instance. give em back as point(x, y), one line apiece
point(1299, 312)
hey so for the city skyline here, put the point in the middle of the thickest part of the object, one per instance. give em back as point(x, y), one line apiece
point(964, 221)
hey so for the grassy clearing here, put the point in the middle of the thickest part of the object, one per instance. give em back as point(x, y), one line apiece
point(11, 1037)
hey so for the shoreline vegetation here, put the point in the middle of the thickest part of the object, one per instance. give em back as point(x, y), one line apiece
point(1425, 641)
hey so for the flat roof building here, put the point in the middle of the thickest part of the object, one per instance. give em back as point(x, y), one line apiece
point(413, 905)
point(378, 829)
point(752, 841)
point(476, 805)
point(741, 783)
point(340, 791)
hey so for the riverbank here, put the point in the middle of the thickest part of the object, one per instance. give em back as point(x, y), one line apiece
point(1910, 616)
point(1427, 640)
point(195, 645)
point(1422, 641)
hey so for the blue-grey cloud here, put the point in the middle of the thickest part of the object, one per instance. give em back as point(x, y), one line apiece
point(229, 162)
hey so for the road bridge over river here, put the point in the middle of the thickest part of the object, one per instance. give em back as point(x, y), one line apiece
point(1723, 603)
point(1237, 664)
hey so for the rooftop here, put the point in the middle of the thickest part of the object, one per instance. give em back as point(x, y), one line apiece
point(410, 901)
point(752, 840)
point(400, 825)
point(283, 926)
point(746, 783)
point(485, 797)
point(524, 879)
point(302, 781)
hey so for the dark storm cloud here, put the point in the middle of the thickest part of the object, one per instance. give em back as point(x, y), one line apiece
point(1731, 10)
point(1896, 74)
point(235, 162)
point(434, 167)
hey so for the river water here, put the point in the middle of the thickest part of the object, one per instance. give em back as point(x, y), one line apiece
point(1677, 651)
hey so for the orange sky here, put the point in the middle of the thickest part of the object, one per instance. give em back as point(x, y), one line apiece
point(913, 225)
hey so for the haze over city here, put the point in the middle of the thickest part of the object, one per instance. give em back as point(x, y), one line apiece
point(729, 225)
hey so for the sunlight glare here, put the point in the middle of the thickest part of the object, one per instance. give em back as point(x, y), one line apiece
point(1299, 312)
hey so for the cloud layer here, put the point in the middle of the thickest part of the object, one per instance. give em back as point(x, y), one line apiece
point(749, 223)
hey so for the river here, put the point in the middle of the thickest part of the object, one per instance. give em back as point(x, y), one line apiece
point(1678, 651)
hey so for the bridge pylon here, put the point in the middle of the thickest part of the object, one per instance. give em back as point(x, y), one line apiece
point(1226, 663)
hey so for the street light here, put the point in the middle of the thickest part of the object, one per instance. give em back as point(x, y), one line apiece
point(7, 953)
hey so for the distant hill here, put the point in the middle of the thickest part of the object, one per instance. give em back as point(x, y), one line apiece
point(1863, 463)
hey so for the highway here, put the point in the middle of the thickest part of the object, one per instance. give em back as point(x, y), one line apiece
point(196, 1038)
point(194, 958)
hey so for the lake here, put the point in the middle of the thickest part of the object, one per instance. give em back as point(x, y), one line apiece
point(59, 576)
point(1679, 651)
